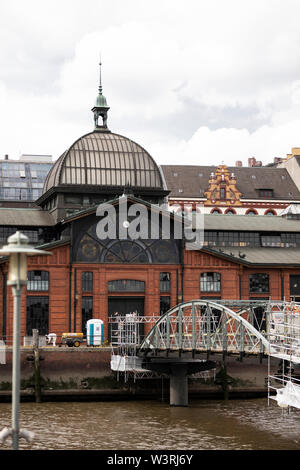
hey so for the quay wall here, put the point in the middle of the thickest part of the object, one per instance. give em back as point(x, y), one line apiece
point(84, 374)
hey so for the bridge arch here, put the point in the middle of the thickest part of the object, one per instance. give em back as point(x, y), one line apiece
point(203, 325)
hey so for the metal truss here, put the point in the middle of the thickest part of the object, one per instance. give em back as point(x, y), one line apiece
point(201, 325)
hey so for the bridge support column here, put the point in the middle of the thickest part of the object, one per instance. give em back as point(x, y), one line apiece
point(179, 386)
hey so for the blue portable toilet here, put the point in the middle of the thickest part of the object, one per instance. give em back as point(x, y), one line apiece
point(94, 332)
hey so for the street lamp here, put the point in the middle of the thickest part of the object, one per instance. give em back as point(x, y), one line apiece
point(18, 249)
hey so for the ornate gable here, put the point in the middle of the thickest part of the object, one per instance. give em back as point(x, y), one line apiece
point(222, 189)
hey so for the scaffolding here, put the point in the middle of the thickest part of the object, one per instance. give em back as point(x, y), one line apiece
point(284, 339)
point(127, 332)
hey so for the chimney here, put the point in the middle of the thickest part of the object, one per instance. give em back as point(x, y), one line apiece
point(238, 163)
point(6, 157)
point(251, 161)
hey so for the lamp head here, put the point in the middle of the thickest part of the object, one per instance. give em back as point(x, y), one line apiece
point(18, 249)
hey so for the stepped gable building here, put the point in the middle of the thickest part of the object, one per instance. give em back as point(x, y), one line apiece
point(242, 257)
point(252, 190)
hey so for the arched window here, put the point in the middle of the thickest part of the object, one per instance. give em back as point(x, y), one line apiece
point(216, 211)
point(230, 211)
point(38, 281)
point(210, 282)
point(87, 281)
point(270, 212)
point(251, 212)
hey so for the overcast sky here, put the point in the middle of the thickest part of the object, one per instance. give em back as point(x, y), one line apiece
point(194, 82)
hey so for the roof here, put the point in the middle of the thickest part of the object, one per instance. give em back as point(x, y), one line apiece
point(105, 159)
point(254, 223)
point(261, 256)
point(192, 181)
point(25, 217)
point(292, 209)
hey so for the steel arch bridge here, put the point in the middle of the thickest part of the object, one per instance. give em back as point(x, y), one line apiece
point(202, 325)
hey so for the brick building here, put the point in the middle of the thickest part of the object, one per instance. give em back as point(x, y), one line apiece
point(242, 256)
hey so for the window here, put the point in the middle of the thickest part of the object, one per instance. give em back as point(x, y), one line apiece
point(270, 212)
point(164, 279)
point(216, 211)
point(271, 240)
point(87, 282)
point(210, 282)
point(86, 311)
point(222, 193)
point(259, 282)
point(267, 193)
point(164, 304)
point(38, 281)
point(251, 212)
point(37, 315)
point(126, 285)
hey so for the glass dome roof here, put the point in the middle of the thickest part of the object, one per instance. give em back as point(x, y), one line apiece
point(105, 159)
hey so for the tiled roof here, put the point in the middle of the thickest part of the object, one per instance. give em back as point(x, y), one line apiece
point(192, 181)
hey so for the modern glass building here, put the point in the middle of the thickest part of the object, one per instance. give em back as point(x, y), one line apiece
point(23, 179)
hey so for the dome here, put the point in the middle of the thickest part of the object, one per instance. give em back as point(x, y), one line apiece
point(108, 160)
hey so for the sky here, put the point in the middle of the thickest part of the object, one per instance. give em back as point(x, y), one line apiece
point(201, 82)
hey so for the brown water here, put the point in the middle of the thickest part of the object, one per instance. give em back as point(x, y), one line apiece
point(204, 425)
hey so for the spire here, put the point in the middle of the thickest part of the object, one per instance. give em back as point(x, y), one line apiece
point(100, 109)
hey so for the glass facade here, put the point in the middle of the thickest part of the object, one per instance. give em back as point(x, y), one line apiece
point(22, 181)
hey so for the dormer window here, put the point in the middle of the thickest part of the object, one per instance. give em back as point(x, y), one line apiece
point(267, 193)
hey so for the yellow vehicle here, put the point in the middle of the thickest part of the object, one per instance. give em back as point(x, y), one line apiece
point(72, 339)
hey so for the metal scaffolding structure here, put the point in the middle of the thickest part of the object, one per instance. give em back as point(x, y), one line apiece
point(284, 338)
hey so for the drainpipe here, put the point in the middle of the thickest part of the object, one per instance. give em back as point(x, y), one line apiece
point(75, 297)
point(282, 285)
point(240, 281)
point(70, 278)
point(4, 303)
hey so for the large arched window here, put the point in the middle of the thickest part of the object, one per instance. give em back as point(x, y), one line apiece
point(38, 281)
point(210, 282)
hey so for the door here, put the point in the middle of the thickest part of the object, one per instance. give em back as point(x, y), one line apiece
point(120, 307)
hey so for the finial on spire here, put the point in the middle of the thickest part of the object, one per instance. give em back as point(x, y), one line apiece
point(100, 78)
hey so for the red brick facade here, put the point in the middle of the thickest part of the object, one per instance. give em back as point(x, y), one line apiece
point(234, 285)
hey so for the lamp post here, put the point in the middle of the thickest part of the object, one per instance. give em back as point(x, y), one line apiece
point(18, 249)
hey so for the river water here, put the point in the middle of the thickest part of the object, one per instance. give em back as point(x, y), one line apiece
point(146, 425)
